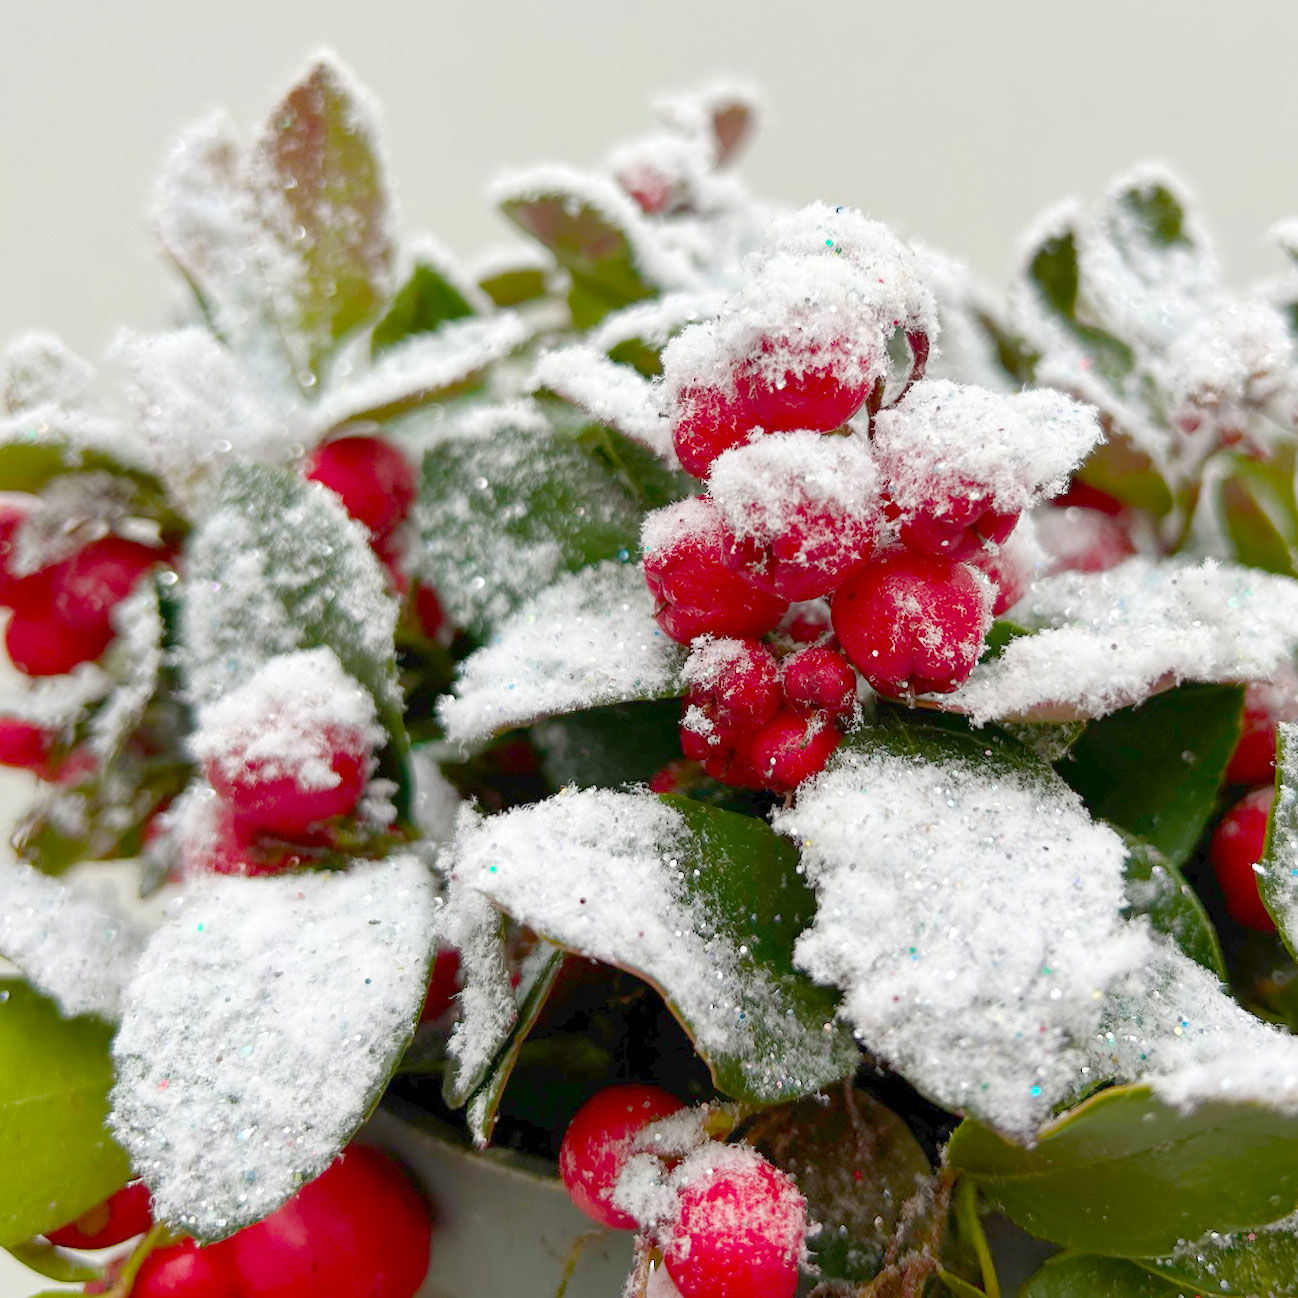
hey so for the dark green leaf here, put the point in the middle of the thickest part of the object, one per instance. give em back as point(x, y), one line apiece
point(323, 207)
point(1158, 890)
point(598, 256)
point(609, 747)
point(1257, 505)
point(306, 578)
point(1129, 1175)
point(1054, 270)
point(427, 299)
point(1075, 1275)
point(55, 1074)
point(1156, 212)
point(1247, 1262)
point(1154, 770)
point(862, 1172)
point(643, 473)
point(514, 285)
point(54, 1263)
point(500, 517)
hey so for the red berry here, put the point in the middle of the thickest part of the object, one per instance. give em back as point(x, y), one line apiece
point(1085, 496)
point(1236, 847)
point(120, 1217)
point(789, 386)
point(739, 1228)
point(708, 422)
point(360, 1229)
point(790, 750)
point(188, 1270)
point(819, 679)
point(443, 984)
point(284, 804)
point(388, 551)
point(1266, 704)
point(598, 1142)
point(812, 556)
point(697, 593)
point(209, 841)
point(913, 624)
point(956, 527)
point(671, 778)
point(27, 747)
point(12, 515)
point(87, 587)
point(40, 643)
point(720, 746)
point(374, 480)
point(1007, 573)
point(806, 622)
point(429, 612)
point(740, 679)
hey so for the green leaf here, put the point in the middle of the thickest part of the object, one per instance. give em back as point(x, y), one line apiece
point(277, 566)
point(958, 1287)
point(609, 747)
point(1154, 770)
point(1158, 890)
point(1277, 872)
point(581, 230)
point(515, 285)
point(1073, 1275)
point(862, 1172)
point(1248, 1262)
point(1123, 470)
point(33, 451)
point(538, 975)
point(53, 1263)
point(54, 1079)
point(1154, 212)
point(501, 516)
point(323, 209)
point(1257, 506)
point(1126, 1174)
point(426, 300)
point(718, 904)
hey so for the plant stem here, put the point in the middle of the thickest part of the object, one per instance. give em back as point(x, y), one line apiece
point(972, 1228)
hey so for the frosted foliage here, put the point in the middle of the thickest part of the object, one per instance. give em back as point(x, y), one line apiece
point(71, 940)
point(1278, 869)
point(137, 657)
point(261, 569)
point(588, 640)
point(436, 803)
point(656, 321)
point(197, 409)
point(763, 488)
point(36, 369)
point(54, 701)
point(427, 249)
point(611, 393)
point(918, 867)
point(607, 875)
point(1108, 640)
point(475, 928)
point(259, 1030)
point(287, 719)
point(947, 437)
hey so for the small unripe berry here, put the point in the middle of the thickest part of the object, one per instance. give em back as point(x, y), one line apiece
point(372, 477)
point(697, 592)
point(791, 749)
point(819, 679)
point(790, 386)
point(360, 1228)
point(708, 422)
point(598, 1142)
point(188, 1270)
point(1237, 846)
point(913, 624)
point(120, 1217)
point(739, 1228)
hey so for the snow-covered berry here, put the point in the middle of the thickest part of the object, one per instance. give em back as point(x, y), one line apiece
point(121, 1216)
point(913, 624)
point(1266, 704)
point(738, 1228)
point(739, 678)
point(956, 525)
point(789, 383)
point(1236, 848)
point(360, 1228)
point(374, 480)
point(720, 746)
point(599, 1140)
point(819, 679)
point(708, 423)
point(697, 592)
point(790, 749)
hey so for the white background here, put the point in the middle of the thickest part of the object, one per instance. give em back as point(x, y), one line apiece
point(957, 119)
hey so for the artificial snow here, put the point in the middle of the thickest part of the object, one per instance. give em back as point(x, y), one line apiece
point(259, 1030)
point(589, 639)
point(71, 939)
point(1107, 640)
point(289, 719)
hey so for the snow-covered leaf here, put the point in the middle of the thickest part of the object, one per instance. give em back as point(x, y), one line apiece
point(1262, 1261)
point(1155, 770)
point(73, 942)
point(1278, 870)
point(37, 369)
point(919, 842)
point(322, 207)
point(1258, 511)
point(1081, 1275)
point(278, 566)
point(1157, 890)
point(588, 640)
point(263, 1023)
point(1108, 640)
point(54, 1078)
point(508, 506)
point(431, 295)
point(703, 904)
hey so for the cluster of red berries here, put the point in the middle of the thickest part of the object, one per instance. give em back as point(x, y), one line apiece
point(1239, 841)
point(360, 1227)
point(732, 1225)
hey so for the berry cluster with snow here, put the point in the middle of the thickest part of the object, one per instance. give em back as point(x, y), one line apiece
point(711, 697)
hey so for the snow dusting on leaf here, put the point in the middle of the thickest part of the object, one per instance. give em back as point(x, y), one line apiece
point(260, 1029)
point(73, 941)
point(36, 369)
point(589, 639)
